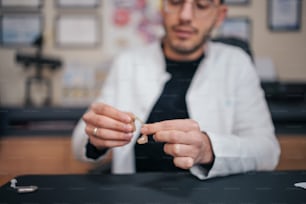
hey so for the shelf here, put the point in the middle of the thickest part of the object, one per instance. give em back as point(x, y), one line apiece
point(39, 121)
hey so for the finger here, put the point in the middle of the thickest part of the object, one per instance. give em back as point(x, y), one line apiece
point(109, 111)
point(102, 121)
point(106, 134)
point(131, 115)
point(133, 120)
point(180, 150)
point(173, 137)
point(100, 143)
point(180, 124)
point(183, 162)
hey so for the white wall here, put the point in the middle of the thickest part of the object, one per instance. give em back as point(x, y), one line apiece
point(287, 49)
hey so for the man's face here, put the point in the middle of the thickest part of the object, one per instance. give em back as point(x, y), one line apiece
point(188, 29)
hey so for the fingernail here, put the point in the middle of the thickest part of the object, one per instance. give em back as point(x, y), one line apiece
point(129, 136)
point(129, 127)
point(128, 119)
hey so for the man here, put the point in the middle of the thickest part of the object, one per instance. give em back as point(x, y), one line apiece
point(201, 101)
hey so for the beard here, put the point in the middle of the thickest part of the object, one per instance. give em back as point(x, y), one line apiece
point(186, 50)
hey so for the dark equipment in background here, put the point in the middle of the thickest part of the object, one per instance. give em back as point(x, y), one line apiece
point(238, 42)
point(39, 61)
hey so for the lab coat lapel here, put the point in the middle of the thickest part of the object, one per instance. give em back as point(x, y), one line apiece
point(146, 92)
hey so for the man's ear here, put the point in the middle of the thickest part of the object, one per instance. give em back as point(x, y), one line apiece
point(222, 14)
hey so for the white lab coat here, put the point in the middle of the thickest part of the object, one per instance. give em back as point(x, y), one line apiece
point(224, 97)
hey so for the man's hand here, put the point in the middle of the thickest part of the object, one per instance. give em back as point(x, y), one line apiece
point(108, 127)
point(183, 140)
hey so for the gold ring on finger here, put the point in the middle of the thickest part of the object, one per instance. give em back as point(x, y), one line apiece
point(95, 131)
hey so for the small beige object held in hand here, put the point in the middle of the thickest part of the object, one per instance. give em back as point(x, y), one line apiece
point(144, 138)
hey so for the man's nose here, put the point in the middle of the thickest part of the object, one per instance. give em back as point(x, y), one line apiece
point(187, 11)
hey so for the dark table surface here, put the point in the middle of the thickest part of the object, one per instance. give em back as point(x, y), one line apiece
point(158, 188)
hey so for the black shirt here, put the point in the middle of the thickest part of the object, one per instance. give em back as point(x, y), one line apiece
point(170, 105)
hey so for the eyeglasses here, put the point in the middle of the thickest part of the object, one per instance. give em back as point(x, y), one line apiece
point(201, 7)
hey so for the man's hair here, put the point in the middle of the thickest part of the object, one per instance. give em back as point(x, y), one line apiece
point(221, 1)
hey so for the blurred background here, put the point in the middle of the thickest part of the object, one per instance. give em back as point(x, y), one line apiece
point(55, 54)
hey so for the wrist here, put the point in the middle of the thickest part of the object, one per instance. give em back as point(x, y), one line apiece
point(94, 152)
point(208, 154)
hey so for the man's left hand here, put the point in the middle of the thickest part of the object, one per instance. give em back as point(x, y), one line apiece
point(183, 140)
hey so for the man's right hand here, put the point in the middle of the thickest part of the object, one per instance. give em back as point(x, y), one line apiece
point(108, 127)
